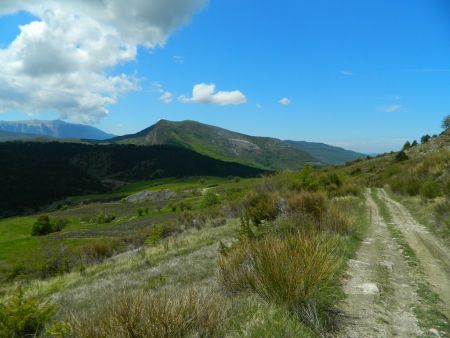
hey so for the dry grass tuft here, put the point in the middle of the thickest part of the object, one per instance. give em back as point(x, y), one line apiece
point(296, 272)
point(145, 314)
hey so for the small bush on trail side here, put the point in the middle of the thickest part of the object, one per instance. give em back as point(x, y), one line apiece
point(260, 206)
point(21, 317)
point(145, 314)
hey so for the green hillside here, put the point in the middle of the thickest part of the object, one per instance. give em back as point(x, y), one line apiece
point(262, 152)
point(327, 153)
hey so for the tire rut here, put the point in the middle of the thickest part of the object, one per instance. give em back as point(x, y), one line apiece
point(379, 286)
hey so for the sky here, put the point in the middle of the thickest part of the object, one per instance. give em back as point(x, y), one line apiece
point(365, 75)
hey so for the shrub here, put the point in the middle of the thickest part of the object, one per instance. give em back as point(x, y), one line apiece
point(311, 203)
point(430, 189)
point(401, 156)
point(156, 233)
point(59, 224)
point(296, 272)
point(261, 206)
point(23, 317)
point(140, 212)
point(425, 138)
point(42, 226)
point(146, 314)
point(210, 199)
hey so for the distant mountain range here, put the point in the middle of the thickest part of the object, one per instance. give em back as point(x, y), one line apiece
point(262, 152)
point(215, 142)
point(326, 153)
point(54, 129)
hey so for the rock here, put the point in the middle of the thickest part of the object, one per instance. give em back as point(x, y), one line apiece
point(153, 196)
point(434, 333)
point(368, 288)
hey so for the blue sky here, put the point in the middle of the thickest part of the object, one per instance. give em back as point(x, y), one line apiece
point(366, 75)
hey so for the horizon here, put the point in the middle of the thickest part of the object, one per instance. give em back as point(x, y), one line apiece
point(325, 72)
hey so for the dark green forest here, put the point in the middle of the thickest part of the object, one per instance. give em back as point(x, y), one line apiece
point(35, 174)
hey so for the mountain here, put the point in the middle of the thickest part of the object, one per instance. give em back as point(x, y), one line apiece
point(33, 174)
point(55, 128)
point(261, 152)
point(326, 153)
point(10, 136)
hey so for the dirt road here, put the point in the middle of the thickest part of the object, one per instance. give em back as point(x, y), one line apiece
point(384, 288)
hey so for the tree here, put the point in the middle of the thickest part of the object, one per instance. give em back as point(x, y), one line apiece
point(425, 138)
point(414, 143)
point(407, 145)
point(401, 156)
point(446, 123)
point(42, 226)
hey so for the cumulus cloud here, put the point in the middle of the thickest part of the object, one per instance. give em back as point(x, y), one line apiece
point(64, 60)
point(207, 94)
point(284, 101)
point(166, 97)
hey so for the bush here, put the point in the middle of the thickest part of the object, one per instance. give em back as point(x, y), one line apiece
point(430, 189)
point(401, 156)
point(42, 226)
point(146, 314)
point(156, 234)
point(296, 272)
point(261, 206)
point(210, 199)
point(311, 203)
point(23, 317)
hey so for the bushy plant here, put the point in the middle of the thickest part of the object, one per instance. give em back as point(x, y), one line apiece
point(261, 206)
point(42, 226)
point(146, 314)
point(156, 234)
point(430, 189)
point(210, 199)
point(20, 316)
point(296, 271)
point(311, 203)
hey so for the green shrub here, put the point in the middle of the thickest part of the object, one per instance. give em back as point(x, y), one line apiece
point(42, 226)
point(147, 314)
point(261, 206)
point(430, 189)
point(156, 234)
point(210, 199)
point(23, 317)
point(401, 156)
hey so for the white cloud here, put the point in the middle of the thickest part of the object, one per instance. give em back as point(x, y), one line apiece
point(393, 108)
point(206, 94)
point(166, 97)
point(64, 60)
point(346, 72)
point(284, 101)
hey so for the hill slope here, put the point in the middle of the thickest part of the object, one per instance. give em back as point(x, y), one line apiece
point(11, 136)
point(327, 153)
point(262, 152)
point(56, 128)
point(33, 174)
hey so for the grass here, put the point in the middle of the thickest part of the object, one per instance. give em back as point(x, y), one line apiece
point(141, 313)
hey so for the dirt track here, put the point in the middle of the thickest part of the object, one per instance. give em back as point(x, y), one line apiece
point(381, 286)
